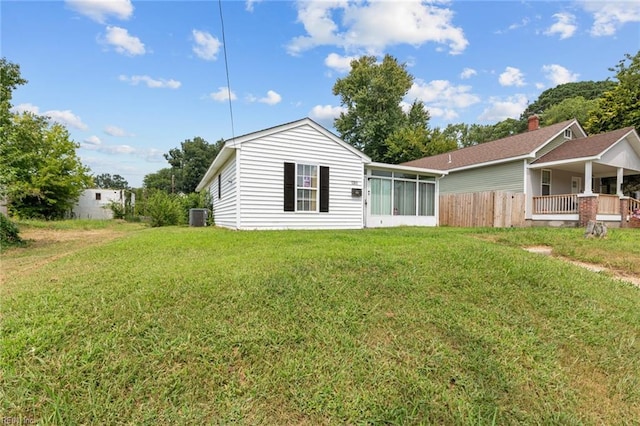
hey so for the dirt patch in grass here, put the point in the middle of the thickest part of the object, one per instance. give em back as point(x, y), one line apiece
point(548, 251)
point(47, 245)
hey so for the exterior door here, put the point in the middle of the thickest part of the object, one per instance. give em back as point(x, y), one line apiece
point(576, 185)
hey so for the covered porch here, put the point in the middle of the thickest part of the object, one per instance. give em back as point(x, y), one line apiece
point(596, 193)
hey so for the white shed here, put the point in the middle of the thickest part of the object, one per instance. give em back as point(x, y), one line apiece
point(299, 175)
point(94, 203)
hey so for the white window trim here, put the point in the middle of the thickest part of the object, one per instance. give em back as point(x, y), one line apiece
point(317, 188)
point(542, 184)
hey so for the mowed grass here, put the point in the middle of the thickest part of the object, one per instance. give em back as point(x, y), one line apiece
point(390, 326)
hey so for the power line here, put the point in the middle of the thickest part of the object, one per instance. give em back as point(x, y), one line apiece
point(226, 66)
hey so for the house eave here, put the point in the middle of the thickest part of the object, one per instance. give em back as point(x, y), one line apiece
point(564, 162)
point(400, 168)
point(224, 154)
point(491, 163)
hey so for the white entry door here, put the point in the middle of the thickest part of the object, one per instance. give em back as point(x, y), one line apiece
point(576, 184)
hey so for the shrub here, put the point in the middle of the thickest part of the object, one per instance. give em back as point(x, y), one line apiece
point(164, 209)
point(119, 211)
point(9, 233)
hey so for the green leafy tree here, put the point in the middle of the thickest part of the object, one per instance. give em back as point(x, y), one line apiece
point(163, 180)
point(190, 162)
point(46, 177)
point(107, 181)
point(620, 106)
point(10, 79)
point(372, 94)
point(578, 108)
point(587, 89)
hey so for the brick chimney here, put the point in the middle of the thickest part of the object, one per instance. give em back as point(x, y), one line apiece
point(534, 122)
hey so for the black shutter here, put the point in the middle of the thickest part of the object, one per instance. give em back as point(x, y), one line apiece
point(219, 186)
point(289, 187)
point(324, 189)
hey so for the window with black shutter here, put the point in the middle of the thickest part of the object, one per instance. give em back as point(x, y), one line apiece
point(324, 189)
point(289, 187)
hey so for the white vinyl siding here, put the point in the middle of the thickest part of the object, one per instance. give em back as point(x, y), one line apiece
point(262, 190)
point(500, 177)
point(224, 208)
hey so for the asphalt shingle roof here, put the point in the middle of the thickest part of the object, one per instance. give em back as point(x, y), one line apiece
point(500, 149)
point(584, 147)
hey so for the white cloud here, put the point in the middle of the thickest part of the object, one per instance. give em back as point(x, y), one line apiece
point(206, 46)
point(67, 118)
point(93, 140)
point(373, 26)
point(610, 16)
point(222, 95)
point(326, 113)
point(446, 114)
point(339, 63)
point(565, 25)
point(468, 73)
point(500, 109)
point(442, 94)
point(64, 117)
point(116, 131)
point(272, 98)
point(558, 74)
point(249, 5)
point(26, 107)
point(123, 42)
point(99, 10)
point(161, 83)
point(540, 86)
point(511, 77)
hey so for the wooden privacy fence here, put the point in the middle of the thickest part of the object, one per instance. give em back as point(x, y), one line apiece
point(482, 209)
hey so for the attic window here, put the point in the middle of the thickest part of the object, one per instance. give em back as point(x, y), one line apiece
point(568, 134)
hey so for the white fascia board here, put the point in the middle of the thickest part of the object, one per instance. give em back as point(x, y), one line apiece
point(220, 159)
point(399, 168)
point(562, 162)
point(491, 163)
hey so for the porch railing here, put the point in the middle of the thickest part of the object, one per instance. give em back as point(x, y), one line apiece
point(555, 204)
point(608, 204)
point(634, 205)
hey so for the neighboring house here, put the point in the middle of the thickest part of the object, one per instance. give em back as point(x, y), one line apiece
point(301, 176)
point(563, 173)
point(94, 203)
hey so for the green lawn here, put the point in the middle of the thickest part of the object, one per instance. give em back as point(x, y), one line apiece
point(389, 326)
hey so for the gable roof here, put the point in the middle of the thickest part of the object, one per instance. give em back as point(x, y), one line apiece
point(231, 145)
point(522, 145)
point(592, 146)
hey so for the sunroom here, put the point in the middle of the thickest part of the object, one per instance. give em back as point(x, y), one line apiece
point(400, 196)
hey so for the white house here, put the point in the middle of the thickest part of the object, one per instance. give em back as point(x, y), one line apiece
point(299, 175)
point(94, 203)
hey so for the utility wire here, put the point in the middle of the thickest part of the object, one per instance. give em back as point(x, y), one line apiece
point(226, 66)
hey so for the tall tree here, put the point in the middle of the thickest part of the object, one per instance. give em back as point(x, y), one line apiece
point(46, 177)
point(553, 96)
point(107, 181)
point(40, 173)
point(578, 108)
point(163, 180)
point(190, 162)
point(372, 94)
point(10, 79)
point(620, 106)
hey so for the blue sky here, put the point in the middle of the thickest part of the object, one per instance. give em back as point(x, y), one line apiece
point(132, 79)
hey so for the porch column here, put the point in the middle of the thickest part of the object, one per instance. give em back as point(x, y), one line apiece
point(619, 178)
point(588, 178)
point(587, 208)
point(624, 212)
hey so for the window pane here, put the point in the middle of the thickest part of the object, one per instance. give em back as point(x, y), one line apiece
point(380, 197)
point(380, 173)
point(427, 178)
point(404, 198)
point(405, 176)
point(427, 198)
